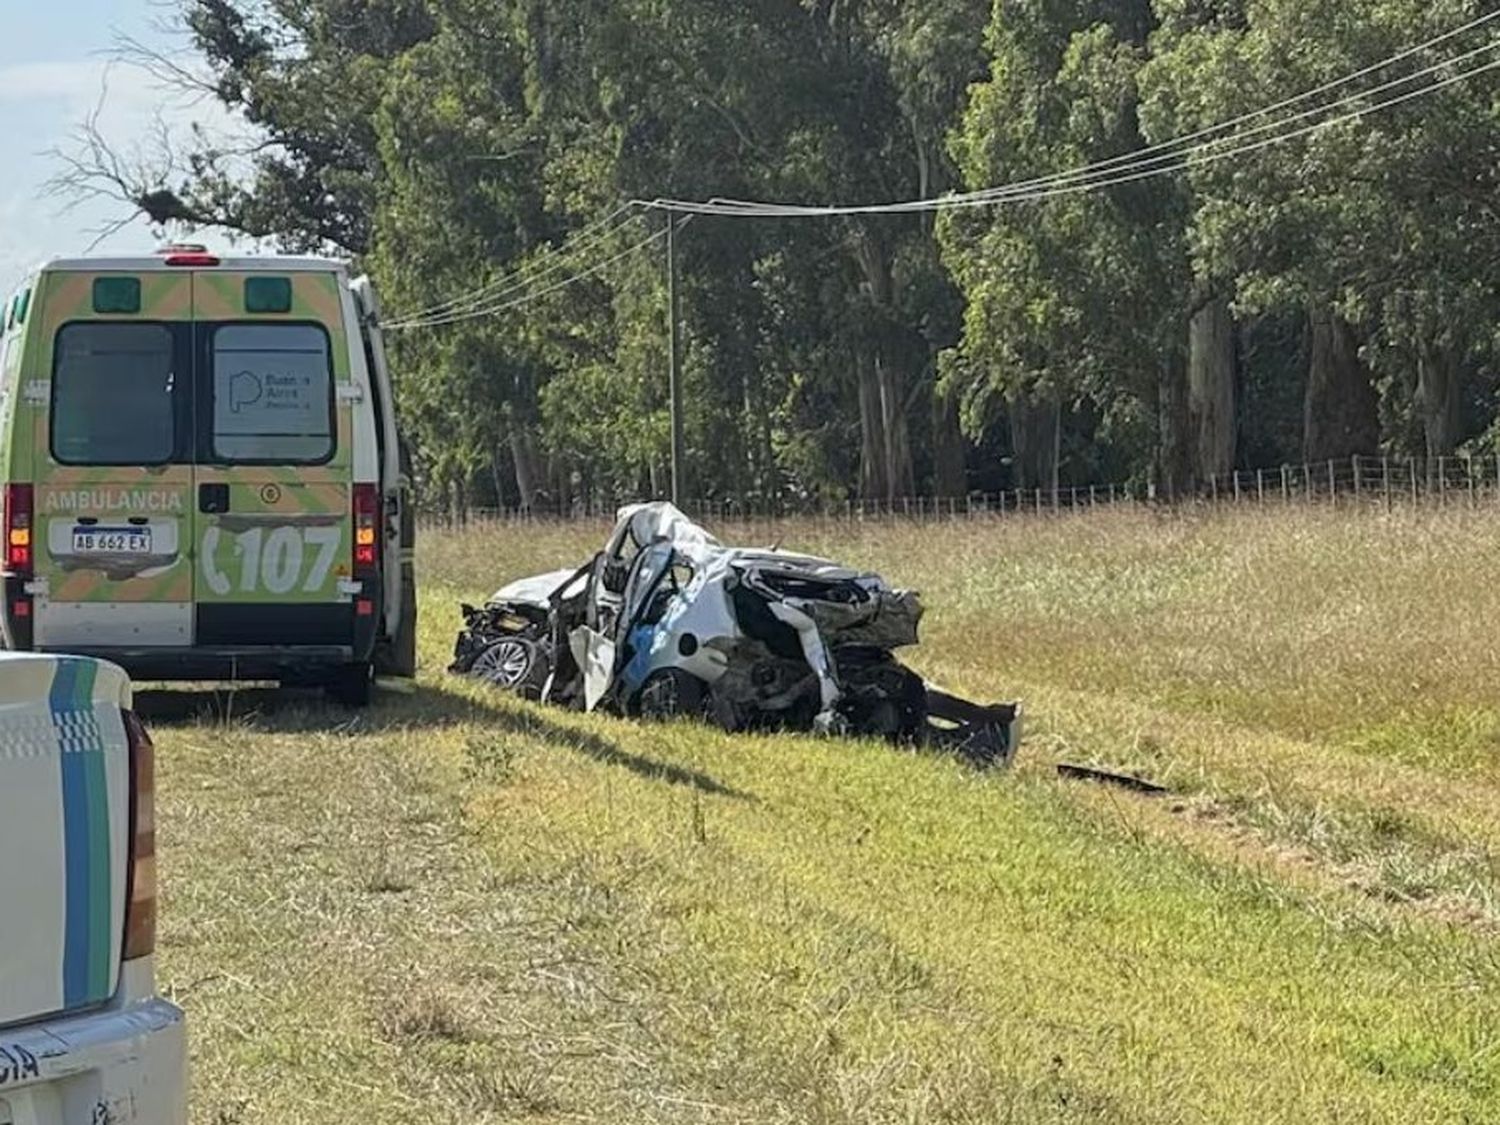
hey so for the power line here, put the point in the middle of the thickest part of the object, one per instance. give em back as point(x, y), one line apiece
point(1285, 103)
point(1132, 161)
point(1126, 175)
point(1216, 157)
point(592, 235)
point(493, 310)
point(1127, 167)
point(1165, 158)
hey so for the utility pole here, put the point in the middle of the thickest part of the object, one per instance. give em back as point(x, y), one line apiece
point(674, 371)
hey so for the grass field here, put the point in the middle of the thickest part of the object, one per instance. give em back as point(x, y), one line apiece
point(456, 908)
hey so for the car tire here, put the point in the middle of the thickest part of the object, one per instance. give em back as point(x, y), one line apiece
point(672, 694)
point(514, 664)
point(353, 685)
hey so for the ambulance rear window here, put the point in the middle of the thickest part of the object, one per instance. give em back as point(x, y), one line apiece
point(272, 394)
point(112, 395)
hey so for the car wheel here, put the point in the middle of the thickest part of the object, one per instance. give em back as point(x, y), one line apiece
point(514, 664)
point(670, 694)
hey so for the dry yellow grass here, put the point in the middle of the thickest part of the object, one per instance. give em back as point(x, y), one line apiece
point(463, 909)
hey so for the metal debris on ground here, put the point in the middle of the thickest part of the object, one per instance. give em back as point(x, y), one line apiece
point(1109, 777)
point(668, 621)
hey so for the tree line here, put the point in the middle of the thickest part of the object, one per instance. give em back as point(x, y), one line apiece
point(1331, 296)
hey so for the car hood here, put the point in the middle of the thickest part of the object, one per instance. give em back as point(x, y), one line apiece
point(536, 590)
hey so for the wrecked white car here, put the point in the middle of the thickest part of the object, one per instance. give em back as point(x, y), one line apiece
point(668, 621)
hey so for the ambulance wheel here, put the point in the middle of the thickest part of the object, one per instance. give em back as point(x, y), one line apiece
point(352, 685)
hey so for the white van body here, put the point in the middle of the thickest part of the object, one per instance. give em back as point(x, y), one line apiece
point(84, 1039)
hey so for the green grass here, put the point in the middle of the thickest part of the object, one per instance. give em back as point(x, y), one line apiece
point(465, 909)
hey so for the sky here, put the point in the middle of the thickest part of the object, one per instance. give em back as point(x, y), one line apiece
point(53, 64)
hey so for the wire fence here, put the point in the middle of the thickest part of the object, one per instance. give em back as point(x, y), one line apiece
point(1374, 482)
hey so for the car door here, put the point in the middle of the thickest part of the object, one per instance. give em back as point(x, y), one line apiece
point(603, 648)
point(273, 495)
point(110, 398)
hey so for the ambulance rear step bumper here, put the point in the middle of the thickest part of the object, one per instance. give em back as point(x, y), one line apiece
point(124, 1066)
point(302, 663)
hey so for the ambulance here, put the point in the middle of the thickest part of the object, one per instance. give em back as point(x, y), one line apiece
point(202, 470)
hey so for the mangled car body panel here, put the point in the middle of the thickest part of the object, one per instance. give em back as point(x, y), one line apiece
point(666, 619)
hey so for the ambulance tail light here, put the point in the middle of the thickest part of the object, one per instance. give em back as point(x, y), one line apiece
point(366, 544)
point(140, 905)
point(19, 531)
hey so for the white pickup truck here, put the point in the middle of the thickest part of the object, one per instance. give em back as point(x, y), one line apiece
point(84, 1039)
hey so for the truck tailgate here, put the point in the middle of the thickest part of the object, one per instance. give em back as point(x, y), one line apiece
point(64, 833)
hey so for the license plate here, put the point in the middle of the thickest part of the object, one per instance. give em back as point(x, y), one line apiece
point(111, 540)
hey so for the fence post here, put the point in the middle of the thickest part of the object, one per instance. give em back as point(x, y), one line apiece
point(1355, 462)
point(1286, 484)
point(1414, 481)
point(1213, 488)
point(1333, 484)
point(1260, 484)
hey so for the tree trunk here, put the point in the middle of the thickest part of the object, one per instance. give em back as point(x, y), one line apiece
point(900, 479)
point(1438, 392)
point(1035, 439)
point(460, 500)
point(760, 455)
point(523, 454)
point(1173, 457)
point(1341, 412)
point(1211, 389)
point(770, 478)
point(873, 480)
point(497, 478)
point(891, 443)
point(949, 475)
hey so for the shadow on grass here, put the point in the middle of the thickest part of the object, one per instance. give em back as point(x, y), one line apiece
point(422, 707)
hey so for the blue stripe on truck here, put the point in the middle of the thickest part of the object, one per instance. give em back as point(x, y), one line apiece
point(86, 945)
